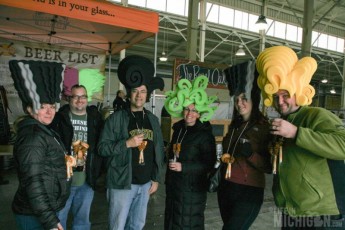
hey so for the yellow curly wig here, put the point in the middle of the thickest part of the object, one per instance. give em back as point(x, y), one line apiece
point(279, 68)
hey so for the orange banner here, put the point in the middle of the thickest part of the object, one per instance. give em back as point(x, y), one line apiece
point(95, 11)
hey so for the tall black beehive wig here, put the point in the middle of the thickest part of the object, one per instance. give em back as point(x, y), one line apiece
point(134, 71)
point(242, 78)
point(37, 82)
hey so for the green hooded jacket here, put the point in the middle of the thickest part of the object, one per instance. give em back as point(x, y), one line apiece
point(307, 182)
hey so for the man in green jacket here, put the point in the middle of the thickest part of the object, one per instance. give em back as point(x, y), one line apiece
point(133, 144)
point(309, 184)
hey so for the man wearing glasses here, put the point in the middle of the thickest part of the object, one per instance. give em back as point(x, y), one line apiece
point(132, 142)
point(308, 184)
point(79, 127)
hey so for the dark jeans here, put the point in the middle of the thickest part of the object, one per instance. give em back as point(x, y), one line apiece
point(26, 222)
point(313, 223)
point(239, 205)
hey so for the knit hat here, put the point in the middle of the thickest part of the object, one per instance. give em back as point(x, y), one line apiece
point(37, 82)
point(134, 71)
point(279, 68)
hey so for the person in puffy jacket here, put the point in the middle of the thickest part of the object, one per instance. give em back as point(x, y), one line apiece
point(186, 177)
point(40, 161)
point(192, 155)
point(39, 154)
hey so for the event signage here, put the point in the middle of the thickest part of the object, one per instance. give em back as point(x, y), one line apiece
point(66, 56)
point(95, 11)
point(186, 69)
point(73, 58)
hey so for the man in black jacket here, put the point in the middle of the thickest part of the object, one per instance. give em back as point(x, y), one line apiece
point(120, 101)
point(79, 126)
point(132, 141)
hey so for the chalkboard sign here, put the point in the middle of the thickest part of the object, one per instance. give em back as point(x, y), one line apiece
point(186, 69)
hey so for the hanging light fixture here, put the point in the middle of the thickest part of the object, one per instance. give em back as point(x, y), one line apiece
point(164, 57)
point(261, 23)
point(332, 91)
point(324, 80)
point(240, 51)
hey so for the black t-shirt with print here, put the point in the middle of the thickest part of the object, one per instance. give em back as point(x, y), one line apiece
point(138, 121)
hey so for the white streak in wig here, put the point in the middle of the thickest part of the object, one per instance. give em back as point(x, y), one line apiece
point(30, 85)
point(249, 79)
point(62, 79)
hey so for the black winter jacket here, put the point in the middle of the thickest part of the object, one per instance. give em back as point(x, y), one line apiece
point(187, 190)
point(40, 162)
point(63, 126)
point(112, 145)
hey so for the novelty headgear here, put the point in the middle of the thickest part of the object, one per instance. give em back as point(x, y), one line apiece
point(242, 78)
point(187, 93)
point(279, 68)
point(134, 71)
point(37, 82)
point(91, 79)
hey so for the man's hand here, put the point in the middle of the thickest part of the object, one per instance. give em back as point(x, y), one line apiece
point(135, 141)
point(175, 166)
point(58, 227)
point(154, 187)
point(283, 128)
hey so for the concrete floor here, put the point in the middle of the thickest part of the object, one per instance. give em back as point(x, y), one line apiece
point(155, 217)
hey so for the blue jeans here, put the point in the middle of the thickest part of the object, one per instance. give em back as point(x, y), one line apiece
point(127, 208)
point(26, 222)
point(80, 201)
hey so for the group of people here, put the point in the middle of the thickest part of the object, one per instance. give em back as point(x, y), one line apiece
point(303, 149)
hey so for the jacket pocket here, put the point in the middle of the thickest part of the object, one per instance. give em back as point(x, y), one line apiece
point(119, 160)
point(308, 195)
point(118, 175)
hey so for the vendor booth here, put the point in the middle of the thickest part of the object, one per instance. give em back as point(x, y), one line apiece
point(80, 34)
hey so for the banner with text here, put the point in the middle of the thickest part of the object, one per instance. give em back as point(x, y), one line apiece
point(90, 63)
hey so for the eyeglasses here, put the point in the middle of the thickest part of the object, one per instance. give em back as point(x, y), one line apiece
point(77, 97)
point(190, 110)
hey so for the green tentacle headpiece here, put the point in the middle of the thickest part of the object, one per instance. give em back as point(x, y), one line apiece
point(187, 93)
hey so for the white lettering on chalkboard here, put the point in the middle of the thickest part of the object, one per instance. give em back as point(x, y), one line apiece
point(190, 71)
